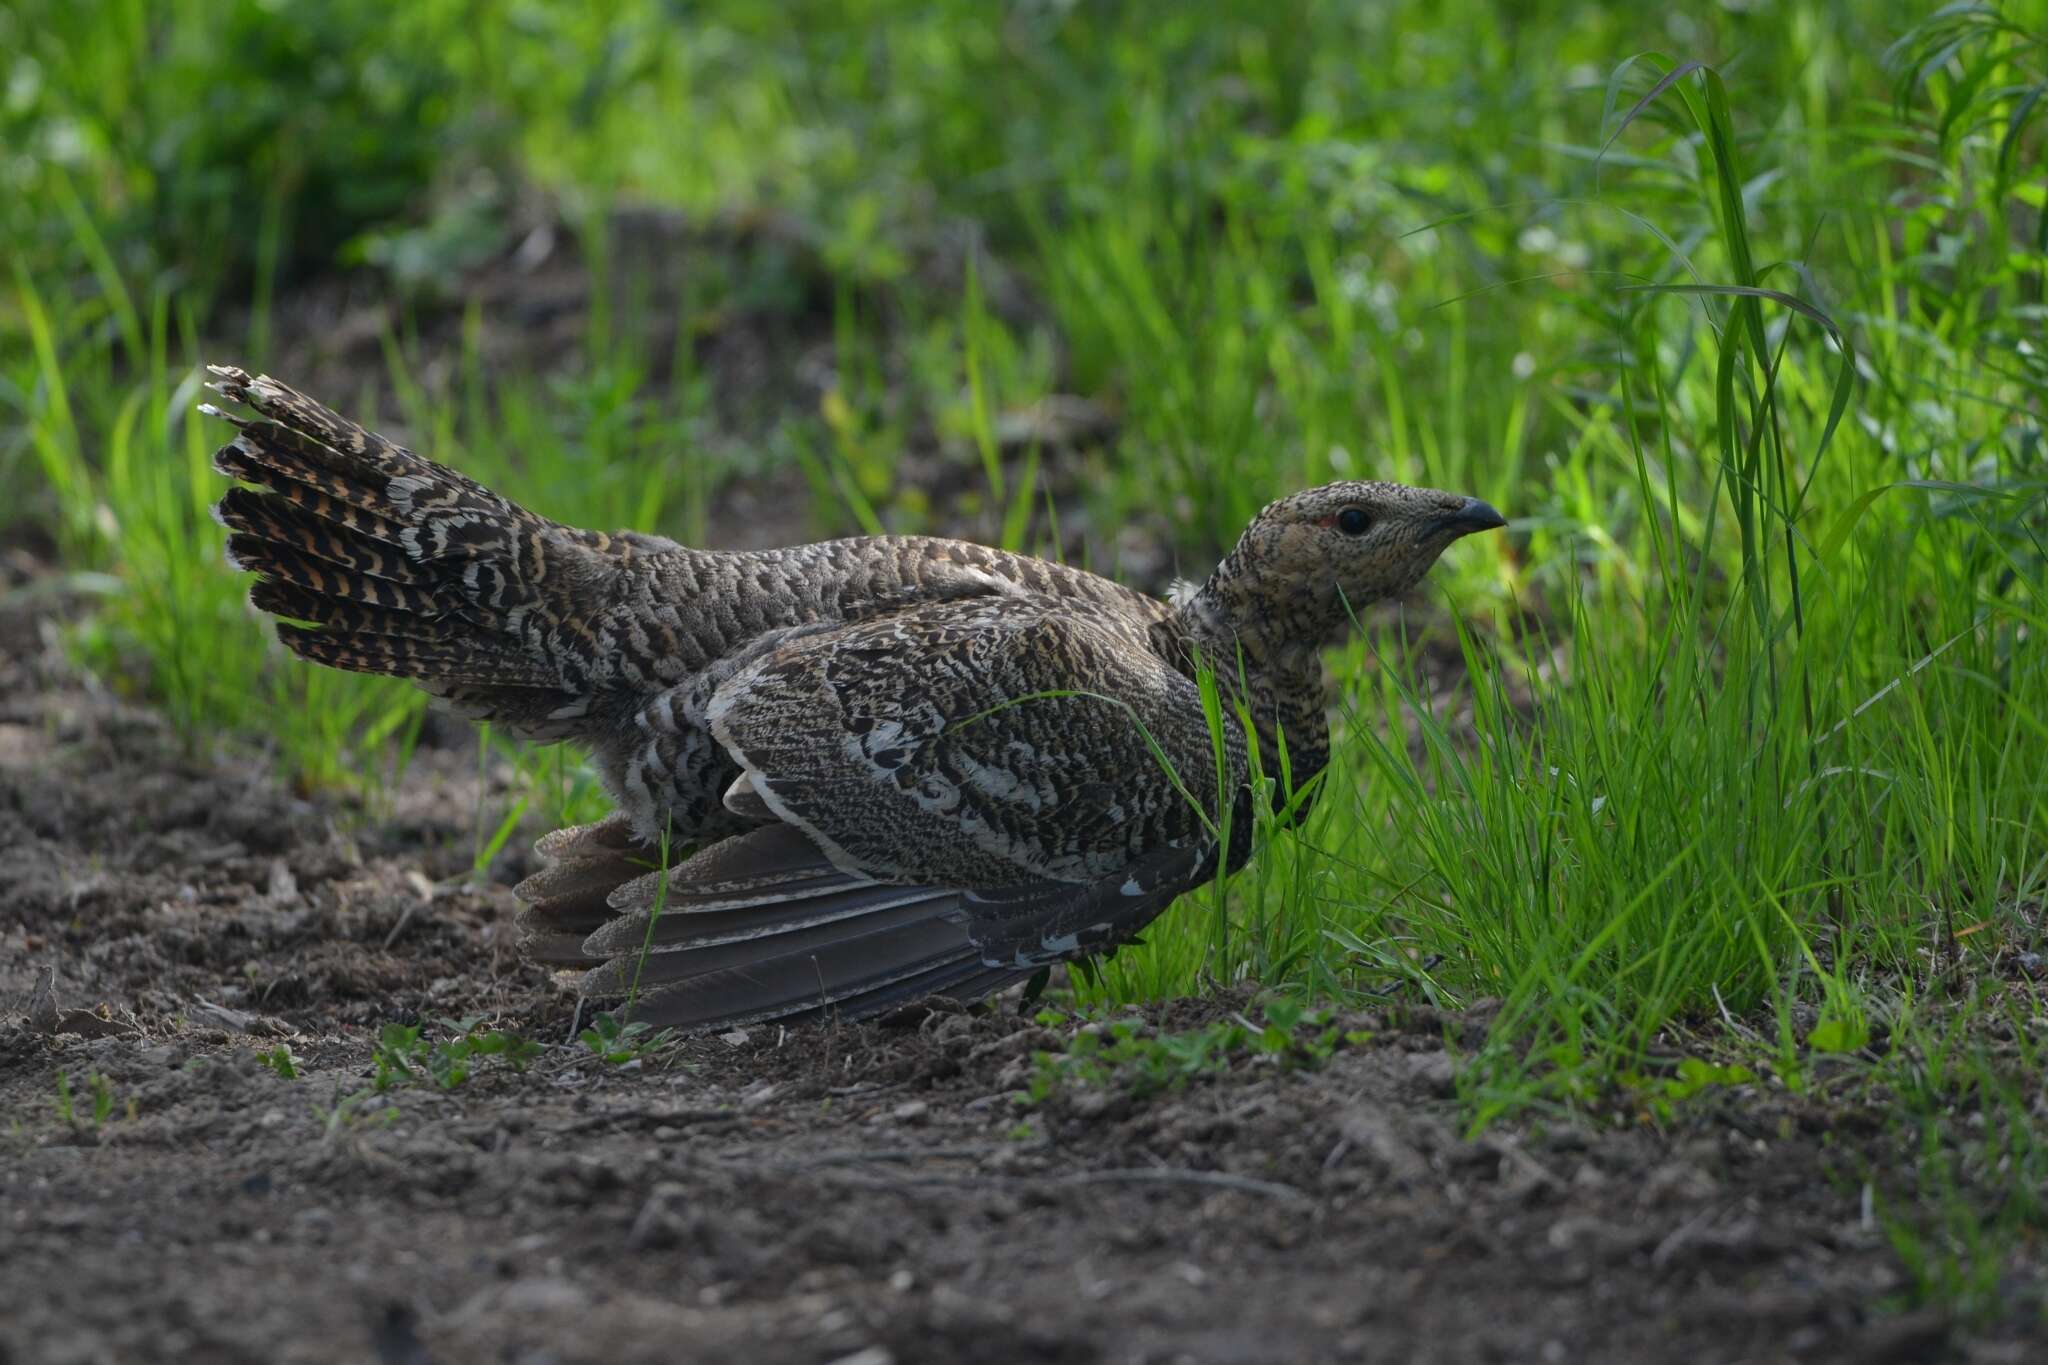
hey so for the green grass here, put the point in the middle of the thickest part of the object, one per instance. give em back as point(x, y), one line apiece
point(1745, 720)
point(1128, 1056)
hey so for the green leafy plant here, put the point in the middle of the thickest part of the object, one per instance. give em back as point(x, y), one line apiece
point(615, 1043)
point(403, 1055)
point(282, 1060)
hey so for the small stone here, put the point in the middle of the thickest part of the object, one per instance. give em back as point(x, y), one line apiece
point(912, 1112)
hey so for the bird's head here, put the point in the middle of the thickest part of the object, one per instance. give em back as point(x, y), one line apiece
point(1310, 561)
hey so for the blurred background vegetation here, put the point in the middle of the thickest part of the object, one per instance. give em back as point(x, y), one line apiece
point(1736, 309)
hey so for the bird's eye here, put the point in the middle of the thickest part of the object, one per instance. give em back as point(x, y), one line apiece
point(1352, 521)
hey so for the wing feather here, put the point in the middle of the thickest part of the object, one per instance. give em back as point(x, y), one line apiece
point(961, 793)
point(1043, 761)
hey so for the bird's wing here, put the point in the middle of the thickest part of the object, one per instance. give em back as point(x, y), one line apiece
point(962, 792)
point(981, 744)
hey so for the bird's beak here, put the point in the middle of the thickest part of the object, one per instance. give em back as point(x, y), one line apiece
point(1475, 515)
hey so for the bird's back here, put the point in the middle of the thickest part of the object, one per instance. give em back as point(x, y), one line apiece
point(673, 613)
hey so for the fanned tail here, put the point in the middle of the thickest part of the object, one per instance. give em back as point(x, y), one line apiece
point(401, 566)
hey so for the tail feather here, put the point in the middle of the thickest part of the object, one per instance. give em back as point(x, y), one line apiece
point(856, 976)
point(570, 898)
point(409, 612)
point(757, 926)
point(400, 566)
point(319, 526)
point(754, 950)
point(771, 865)
point(303, 481)
point(326, 441)
point(682, 932)
point(276, 562)
point(962, 978)
point(445, 664)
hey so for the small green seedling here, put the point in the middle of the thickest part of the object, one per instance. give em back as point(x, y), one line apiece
point(615, 1043)
point(1291, 1035)
point(402, 1056)
point(1661, 1096)
point(282, 1060)
point(102, 1091)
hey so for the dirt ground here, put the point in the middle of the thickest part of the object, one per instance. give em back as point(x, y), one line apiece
point(871, 1194)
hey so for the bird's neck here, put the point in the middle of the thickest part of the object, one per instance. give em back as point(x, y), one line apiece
point(1267, 658)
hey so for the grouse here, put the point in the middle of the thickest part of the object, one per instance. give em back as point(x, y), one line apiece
point(900, 766)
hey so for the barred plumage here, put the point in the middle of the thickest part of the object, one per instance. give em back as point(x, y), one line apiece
point(898, 766)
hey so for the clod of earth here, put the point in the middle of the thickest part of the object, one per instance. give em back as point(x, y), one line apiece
point(907, 766)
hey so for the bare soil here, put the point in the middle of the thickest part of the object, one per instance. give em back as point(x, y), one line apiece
point(858, 1194)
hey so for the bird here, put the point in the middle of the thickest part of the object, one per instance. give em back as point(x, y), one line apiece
point(847, 776)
